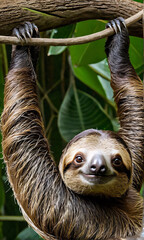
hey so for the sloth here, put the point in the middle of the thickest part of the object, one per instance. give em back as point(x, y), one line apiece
point(95, 192)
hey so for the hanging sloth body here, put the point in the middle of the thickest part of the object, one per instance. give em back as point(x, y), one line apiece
point(94, 195)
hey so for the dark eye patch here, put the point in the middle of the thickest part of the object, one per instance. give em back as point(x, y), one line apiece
point(67, 167)
point(121, 167)
point(71, 165)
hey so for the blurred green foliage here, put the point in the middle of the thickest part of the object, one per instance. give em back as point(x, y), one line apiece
point(75, 94)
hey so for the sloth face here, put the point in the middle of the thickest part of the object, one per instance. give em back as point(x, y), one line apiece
point(97, 164)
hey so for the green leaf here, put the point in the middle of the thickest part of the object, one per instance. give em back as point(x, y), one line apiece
point(91, 52)
point(102, 69)
point(95, 76)
point(141, 1)
point(28, 234)
point(63, 32)
point(80, 111)
point(107, 88)
point(142, 191)
point(89, 78)
point(135, 52)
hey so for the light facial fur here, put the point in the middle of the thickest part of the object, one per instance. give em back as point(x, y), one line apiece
point(92, 147)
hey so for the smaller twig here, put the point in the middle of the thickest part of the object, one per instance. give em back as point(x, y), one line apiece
point(12, 218)
point(50, 123)
point(47, 98)
point(50, 89)
point(69, 41)
point(62, 75)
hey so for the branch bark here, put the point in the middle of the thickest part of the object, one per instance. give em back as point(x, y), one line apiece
point(60, 13)
point(69, 41)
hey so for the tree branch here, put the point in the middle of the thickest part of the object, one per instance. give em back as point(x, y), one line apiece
point(59, 13)
point(69, 41)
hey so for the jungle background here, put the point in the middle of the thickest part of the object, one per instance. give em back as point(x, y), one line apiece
point(74, 93)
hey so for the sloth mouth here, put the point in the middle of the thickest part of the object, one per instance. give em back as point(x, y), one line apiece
point(98, 179)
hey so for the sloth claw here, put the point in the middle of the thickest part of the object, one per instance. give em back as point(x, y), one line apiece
point(113, 23)
point(16, 34)
point(121, 19)
point(117, 24)
point(25, 31)
point(108, 25)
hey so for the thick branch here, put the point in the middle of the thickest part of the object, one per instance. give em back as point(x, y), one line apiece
point(65, 12)
point(69, 41)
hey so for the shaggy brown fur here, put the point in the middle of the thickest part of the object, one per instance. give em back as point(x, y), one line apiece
point(47, 204)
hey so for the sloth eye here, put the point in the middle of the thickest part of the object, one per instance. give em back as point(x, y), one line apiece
point(117, 161)
point(78, 159)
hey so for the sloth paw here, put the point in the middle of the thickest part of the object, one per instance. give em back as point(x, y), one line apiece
point(117, 24)
point(25, 31)
point(117, 44)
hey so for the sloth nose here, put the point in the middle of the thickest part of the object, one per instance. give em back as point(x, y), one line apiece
point(98, 166)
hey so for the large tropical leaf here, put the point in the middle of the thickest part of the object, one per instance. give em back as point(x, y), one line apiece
point(102, 69)
point(139, 1)
point(97, 77)
point(89, 78)
point(91, 52)
point(80, 111)
point(28, 234)
point(136, 52)
point(62, 32)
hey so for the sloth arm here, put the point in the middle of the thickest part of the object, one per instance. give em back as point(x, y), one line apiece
point(128, 94)
point(33, 175)
point(46, 203)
